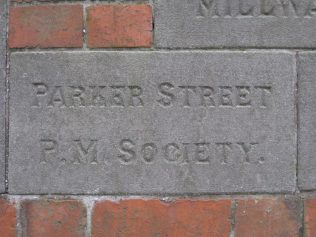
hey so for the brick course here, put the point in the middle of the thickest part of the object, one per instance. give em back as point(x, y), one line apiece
point(258, 216)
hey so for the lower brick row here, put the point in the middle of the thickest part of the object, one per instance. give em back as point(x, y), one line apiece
point(259, 216)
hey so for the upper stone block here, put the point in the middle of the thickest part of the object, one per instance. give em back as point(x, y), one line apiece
point(307, 121)
point(240, 23)
point(152, 122)
point(3, 36)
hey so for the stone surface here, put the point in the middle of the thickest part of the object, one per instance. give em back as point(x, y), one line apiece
point(307, 121)
point(268, 217)
point(240, 23)
point(7, 218)
point(50, 218)
point(120, 25)
point(46, 26)
point(149, 218)
point(152, 123)
point(3, 36)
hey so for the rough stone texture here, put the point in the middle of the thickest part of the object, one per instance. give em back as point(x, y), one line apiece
point(185, 218)
point(310, 217)
point(120, 25)
point(241, 23)
point(51, 218)
point(7, 218)
point(46, 26)
point(67, 138)
point(3, 36)
point(307, 121)
point(268, 217)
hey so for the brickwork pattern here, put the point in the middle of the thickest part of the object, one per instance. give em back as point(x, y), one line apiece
point(167, 26)
point(277, 216)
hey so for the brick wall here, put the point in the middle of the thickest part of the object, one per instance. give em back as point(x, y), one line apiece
point(78, 26)
point(287, 209)
point(143, 216)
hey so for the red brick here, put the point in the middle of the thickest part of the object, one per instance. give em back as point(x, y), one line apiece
point(29, 1)
point(310, 217)
point(267, 218)
point(152, 218)
point(46, 26)
point(51, 218)
point(51, 1)
point(7, 219)
point(119, 25)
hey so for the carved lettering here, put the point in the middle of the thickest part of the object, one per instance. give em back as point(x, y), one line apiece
point(207, 7)
point(118, 96)
point(247, 148)
point(57, 97)
point(186, 91)
point(202, 152)
point(225, 148)
point(259, 8)
point(78, 96)
point(165, 92)
point(243, 96)
point(85, 154)
point(97, 97)
point(225, 96)
point(127, 153)
point(48, 146)
point(172, 152)
point(86, 96)
point(135, 98)
point(264, 90)
point(149, 151)
point(168, 95)
point(207, 98)
point(210, 96)
point(40, 90)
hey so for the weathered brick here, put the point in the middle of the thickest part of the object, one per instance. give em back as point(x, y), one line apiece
point(46, 26)
point(7, 218)
point(53, 1)
point(51, 218)
point(310, 217)
point(153, 218)
point(119, 25)
point(267, 217)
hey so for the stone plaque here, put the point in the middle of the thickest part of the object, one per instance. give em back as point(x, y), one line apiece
point(307, 121)
point(152, 122)
point(235, 23)
point(3, 36)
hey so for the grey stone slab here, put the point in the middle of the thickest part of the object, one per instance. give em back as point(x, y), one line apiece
point(152, 122)
point(235, 23)
point(307, 121)
point(3, 21)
